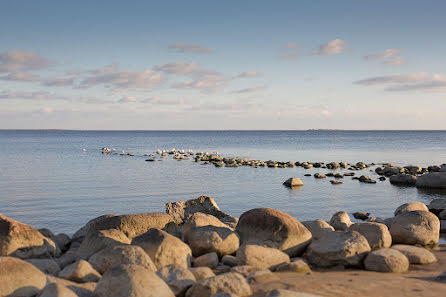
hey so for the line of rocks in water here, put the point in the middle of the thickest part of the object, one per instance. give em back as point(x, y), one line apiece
point(195, 249)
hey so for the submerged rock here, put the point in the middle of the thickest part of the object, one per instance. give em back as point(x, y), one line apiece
point(435, 180)
point(403, 179)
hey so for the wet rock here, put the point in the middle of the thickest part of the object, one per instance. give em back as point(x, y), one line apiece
point(163, 248)
point(101, 239)
point(275, 229)
point(19, 278)
point(338, 248)
point(319, 175)
point(433, 180)
point(261, 257)
point(47, 266)
point(207, 260)
point(377, 234)
point(131, 280)
point(361, 215)
point(386, 260)
point(416, 255)
point(411, 206)
point(437, 205)
point(120, 255)
point(336, 182)
point(366, 179)
point(389, 171)
point(318, 228)
point(177, 277)
point(80, 271)
point(201, 272)
point(403, 179)
point(232, 283)
point(415, 227)
point(293, 182)
point(340, 221)
point(23, 241)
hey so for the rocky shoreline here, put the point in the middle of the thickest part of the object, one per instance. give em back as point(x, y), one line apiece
point(195, 249)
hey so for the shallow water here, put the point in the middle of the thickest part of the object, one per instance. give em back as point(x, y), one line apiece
point(46, 180)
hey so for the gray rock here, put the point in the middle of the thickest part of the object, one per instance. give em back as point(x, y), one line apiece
point(207, 239)
point(318, 228)
point(416, 255)
point(293, 182)
point(207, 260)
point(57, 290)
point(98, 240)
point(386, 260)
point(80, 234)
point(200, 220)
point(261, 257)
point(437, 205)
point(230, 282)
point(229, 260)
point(177, 277)
point(377, 234)
point(47, 266)
point(434, 180)
point(411, 206)
point(403, 179)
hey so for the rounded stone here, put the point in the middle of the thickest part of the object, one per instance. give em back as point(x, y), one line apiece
point(386, 260)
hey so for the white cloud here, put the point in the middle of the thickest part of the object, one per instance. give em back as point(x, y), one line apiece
point(250, 90)
point(184, 47)
point(128, 99)
point(206, 81)
point(248, 74)
point(333, 47)
point(21, 76)
point(408, 82)
point(395, 61)
point(122, 80)
point(385, 54)
point(14, 61)
point(289, 56)
point(178, 68)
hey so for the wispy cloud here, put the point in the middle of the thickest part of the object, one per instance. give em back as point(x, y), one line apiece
point(248, 74)
point(16, 60)
point(21, 76)
point(395, 61)
point(59, 81)
point(333, 47)
point(38, 95)
point(249, 90)
point(385, 54)
point(178, 68)
point(184, 47)
point(408, 82)
point(153, 100)
point(206, 81)
point(123, 80)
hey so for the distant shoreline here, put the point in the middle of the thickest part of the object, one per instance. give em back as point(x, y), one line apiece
point(233, 130)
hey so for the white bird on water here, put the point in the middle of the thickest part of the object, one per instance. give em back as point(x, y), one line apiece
point(84, 150)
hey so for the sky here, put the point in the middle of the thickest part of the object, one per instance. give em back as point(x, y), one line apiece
point(223, 65)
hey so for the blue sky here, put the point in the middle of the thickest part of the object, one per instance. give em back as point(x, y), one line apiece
point(222, 64)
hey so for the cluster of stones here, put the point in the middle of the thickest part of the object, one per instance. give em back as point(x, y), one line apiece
point(430, 177)
point(195, 249)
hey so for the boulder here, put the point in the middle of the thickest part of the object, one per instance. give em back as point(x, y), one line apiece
point(298, 265)
point(437, 205)
point(177, 277)
point(377, 234)
point(338, 248)
point(403, 179)
point(23, 241)
point(261, 257)
point(80, 289)
point(81, 272)
point(19, 278)
point(415, 227)
point(182, 210)
point(231, 282)
point(47, 266)
point(61, 240)
point(416, 255)
point(57, 290)
point(261, 276)
point(293, 182)
point(131, 280)
point(229, 260)
point(201, 272)
point(80, 234)
point(386, 260)
point(132, 225)
point(67, 258)
point(207, 260)
point(361, 215)
point(200, 220)
point(389, 171)
point(318, 228)
point(411, 206)
point(207, 239)
point(413, 169)
point(340, 221)
point(119, 255)
point(434, 180)
point(273, 228)
point(97, 240)
point(163, 248)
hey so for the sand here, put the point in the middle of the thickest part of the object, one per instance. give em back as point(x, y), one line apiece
point(420, 280)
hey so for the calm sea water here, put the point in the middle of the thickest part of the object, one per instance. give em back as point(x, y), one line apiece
point(47, 180)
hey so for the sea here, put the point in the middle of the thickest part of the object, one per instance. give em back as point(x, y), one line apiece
point(59, 179)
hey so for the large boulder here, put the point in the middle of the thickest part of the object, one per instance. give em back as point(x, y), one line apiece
point(411, 206)
point(19, 278)
point(177, 277)
point(207, 239)
point(415, 227)
point(377, 234)
point(81, 272)
point(386, 260)
point(340, 221)
point(119, 255)
point(416, 255)
point(318, 228)
point(403, 179)
point(23, 241)
point(434, 180)
point(261, 257)
point(182, 210)
point(47, 266)
point(132, 225)
point(131, 281)
point(231, 282)
point(338, 248)
point(273, 228)
point(437, 205)
point(163, 248)
point(97, 240)
point(200, 220)
point(80, 234)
